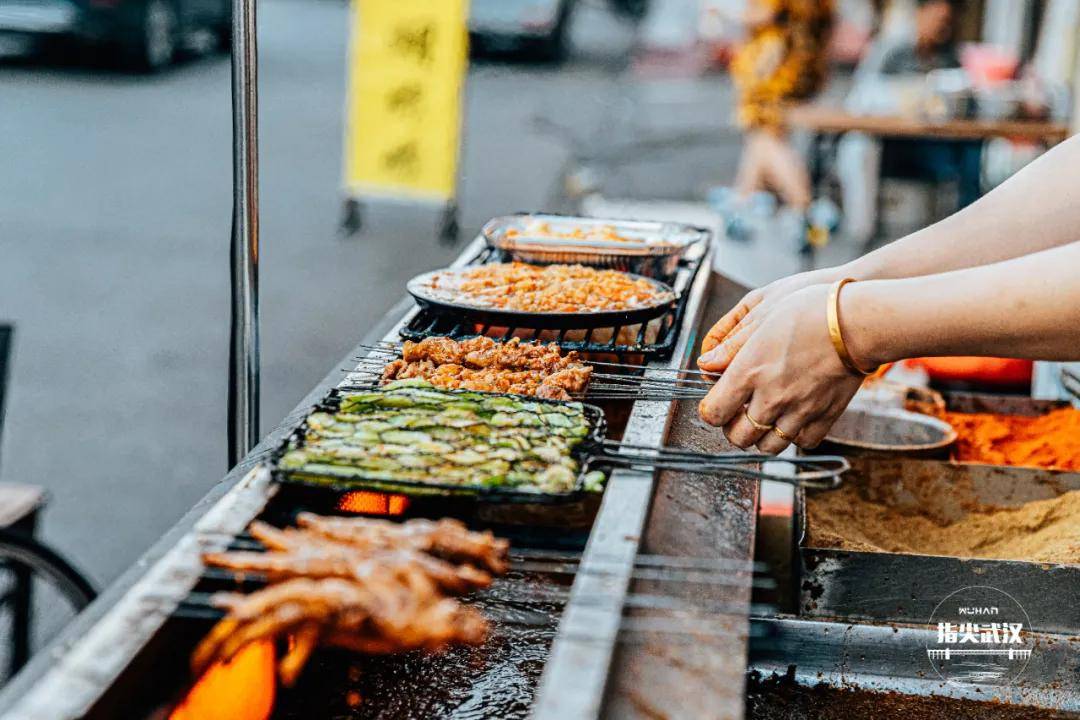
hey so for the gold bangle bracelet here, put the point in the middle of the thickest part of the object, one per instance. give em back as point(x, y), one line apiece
point(834, 328)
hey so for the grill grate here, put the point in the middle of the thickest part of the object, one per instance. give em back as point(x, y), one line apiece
point(654, 339)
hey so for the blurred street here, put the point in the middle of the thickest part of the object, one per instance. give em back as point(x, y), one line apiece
point(115, 201)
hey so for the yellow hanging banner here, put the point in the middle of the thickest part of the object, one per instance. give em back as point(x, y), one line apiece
point(407, 64)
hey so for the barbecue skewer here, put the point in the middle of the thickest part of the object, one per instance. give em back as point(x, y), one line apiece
point(825, 474)
point(633, 389)
point(509, 589)
point(634, 382)
point(593, 569)
point(375, 369)
point(824, 470)
point(692, 626)
point(392, 351)
point(375, 365)
point(245, 542)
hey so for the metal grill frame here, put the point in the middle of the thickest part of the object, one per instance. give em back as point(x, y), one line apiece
point(427, 322)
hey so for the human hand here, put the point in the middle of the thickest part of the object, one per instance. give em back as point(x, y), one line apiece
point(787, 375)
point(731, 331)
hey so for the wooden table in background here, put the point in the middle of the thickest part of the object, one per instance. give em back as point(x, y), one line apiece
point(826, 124)
point(826, 120)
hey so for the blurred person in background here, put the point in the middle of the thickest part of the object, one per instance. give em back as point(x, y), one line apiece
point(932, 48)
point(783, 60)
point(895, 64)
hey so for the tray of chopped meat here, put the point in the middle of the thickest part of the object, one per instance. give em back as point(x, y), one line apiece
point(543, 296)
point(647, 248)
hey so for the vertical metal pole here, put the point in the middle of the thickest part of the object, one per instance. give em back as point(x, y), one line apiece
point(244, 327)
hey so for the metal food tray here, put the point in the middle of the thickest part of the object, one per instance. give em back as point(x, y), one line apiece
point(652, 248)
point(897, 587)
point(655, 339)
point(359, 479)
point(429, 298)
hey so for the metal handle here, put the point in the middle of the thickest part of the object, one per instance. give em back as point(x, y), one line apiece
point(1071, 382)
point(244, 256)
point(823, 474)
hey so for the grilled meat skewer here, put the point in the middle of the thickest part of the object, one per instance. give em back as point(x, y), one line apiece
point(372, 586)
point(390, 614)
point(484, 365)
point(327, 560)
point(446, 538)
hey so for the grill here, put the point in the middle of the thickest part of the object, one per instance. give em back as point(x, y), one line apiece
point(592, 451)
point(655, 339)
point(498, 679)
point(135, 643)
point(847, 643)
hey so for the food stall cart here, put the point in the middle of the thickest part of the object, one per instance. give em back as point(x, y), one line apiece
point(841, 634)
point(646, 600)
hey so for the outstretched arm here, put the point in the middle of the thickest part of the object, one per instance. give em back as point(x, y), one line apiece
point(1028, 307)
point(789, 375)
point(1036, 209)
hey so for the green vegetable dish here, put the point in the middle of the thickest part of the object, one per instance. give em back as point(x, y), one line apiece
point(410, 431)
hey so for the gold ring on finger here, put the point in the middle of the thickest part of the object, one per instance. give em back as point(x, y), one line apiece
point(782, 435)
point(757, 425)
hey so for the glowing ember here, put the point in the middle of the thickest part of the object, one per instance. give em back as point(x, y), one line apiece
point(241, 689)
point(365, 502)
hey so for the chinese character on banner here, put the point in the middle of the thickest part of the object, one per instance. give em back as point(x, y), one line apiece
point(407, 64)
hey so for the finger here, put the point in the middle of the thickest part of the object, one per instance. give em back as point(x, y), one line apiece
point(725, 399)
point(755, 422)
point(814, 432)
point(742, 433)
point(719, 358)
point(771, 443)
point(789, 426)
point(723, 327)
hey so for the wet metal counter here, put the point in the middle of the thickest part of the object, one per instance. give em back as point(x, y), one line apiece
point(129, 649)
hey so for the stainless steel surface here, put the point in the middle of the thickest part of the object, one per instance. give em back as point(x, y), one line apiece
point(651, 249)
point(891, 659)
point(244, 252)
point(576, 674)
point(693, 515)
point(68, 677)
point(109, 632)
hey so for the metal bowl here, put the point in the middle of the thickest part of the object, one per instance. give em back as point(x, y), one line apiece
point(647, 248)
point(889, 430)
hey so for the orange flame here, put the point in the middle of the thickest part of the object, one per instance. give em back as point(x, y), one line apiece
point(241, 689)
point(365, 502)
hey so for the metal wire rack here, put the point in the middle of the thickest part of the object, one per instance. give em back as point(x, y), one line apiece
point(654, 339)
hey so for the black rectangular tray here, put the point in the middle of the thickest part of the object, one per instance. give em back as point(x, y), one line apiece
point(361, 480)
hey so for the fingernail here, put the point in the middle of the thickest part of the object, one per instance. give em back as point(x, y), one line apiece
point(703, 412)
point(710, 356)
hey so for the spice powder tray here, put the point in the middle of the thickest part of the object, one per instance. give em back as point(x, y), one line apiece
point(905, 588)
point(897, 587)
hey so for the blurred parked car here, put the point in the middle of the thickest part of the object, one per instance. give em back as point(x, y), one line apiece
point(538, 27)
point(148, 33)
